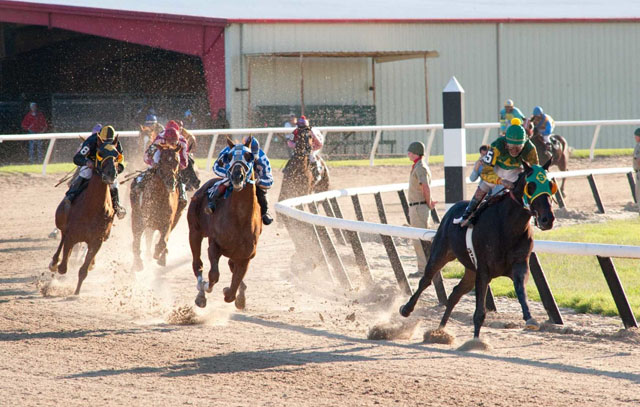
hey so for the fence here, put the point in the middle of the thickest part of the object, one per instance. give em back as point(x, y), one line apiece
point(329, 200)
point(270, 131)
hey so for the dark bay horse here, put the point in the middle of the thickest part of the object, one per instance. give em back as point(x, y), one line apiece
point(156, 206)
point(90, 216)
point(233, 228)
point(502, 241)
point(559, 156)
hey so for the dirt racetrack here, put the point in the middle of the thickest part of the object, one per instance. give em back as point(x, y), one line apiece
point(128, 338)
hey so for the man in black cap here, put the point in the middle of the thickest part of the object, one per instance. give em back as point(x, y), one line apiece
point(636, 164)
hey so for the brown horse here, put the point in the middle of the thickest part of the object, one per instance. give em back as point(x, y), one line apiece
point(233, 228)
point(560, 153)
point(156, 205)
point(90, 216)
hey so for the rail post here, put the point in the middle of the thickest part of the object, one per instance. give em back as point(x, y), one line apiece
point(596, 194)
point(47, 156)
point(543, 288)
point(454, 136)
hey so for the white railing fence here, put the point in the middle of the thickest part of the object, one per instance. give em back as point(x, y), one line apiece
point(430, 129)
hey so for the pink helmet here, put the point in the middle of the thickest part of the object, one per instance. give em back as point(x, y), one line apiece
point(171, 136)
point(302, 121)
point(172, 124)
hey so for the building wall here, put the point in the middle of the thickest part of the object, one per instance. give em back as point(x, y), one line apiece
point(578, 71)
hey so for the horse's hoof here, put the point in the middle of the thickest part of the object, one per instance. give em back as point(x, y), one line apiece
point(201, 300)
point(137, 265)
point(404, 311)
point(228, 296)
point(208, 286)
point(53, 267)
point(62, 270)
point(162, 260)
point(532, 325)
point(241, 302)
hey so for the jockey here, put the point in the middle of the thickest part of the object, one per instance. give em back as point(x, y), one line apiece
point(263, 174)
point(544, 124)
point(172, 138)
point(316, 145)
point(85, 158)
point(502, 164)
point(508, 113)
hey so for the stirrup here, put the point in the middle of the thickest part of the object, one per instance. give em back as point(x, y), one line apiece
point(457, 221)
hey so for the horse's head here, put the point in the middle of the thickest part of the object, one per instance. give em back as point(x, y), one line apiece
point(241, 162)
point(189, 176)
point(107, 160)
point(537, 190)
point(304, 142)
point(168, 164)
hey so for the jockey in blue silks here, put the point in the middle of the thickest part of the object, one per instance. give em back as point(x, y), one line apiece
point(264, 179)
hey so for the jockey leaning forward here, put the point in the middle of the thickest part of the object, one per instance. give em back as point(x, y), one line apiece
point(85, 158)
point(502, 164)
point(317, 142)
point(264, 179)
point(545, 125)
point(171, 137)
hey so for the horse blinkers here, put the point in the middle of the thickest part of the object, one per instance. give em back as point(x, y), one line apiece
point(109, 154)
point(533, 189)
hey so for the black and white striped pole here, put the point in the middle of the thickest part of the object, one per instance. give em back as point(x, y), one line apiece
point(455, 149)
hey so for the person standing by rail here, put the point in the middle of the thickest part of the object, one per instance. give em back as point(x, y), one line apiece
point(420, 201)
point(34, 122)
point(636, 164)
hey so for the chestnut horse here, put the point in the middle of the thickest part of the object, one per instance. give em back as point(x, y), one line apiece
point(559, 156)
point(233, 228)
point(90, 216)
point(156, 206)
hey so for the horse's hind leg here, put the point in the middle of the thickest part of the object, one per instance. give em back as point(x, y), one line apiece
point(67, 246)
point(239, 270)
point(520, 271)
point(241, 299)
point(464, 286)
point(436, 262)
point(214, 259)
point(84, 269)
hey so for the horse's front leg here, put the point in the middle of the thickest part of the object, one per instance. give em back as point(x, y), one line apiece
point(137, 227)
point(195, 242)
point(214, 258)
point(84, 269)
point(464, 286)
point(53, 266)
point(161, 246)
point(239, 270)
point(67, 246)
point(520, 272)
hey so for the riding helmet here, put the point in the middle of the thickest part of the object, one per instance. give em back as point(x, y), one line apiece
point(416, 148)
point(107, 134)
point(515, 135)
point(508, 103)
point(537, 111)
point(151, 119)
point(637, 132)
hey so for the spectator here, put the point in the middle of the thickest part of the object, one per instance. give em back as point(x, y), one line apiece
point(477, 167)
point(508, 113)
point(420, 201)
point(221, 121)
point(636, 164)
point(291, 122)
point(34, 122)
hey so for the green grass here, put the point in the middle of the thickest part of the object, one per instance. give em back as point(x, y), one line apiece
point(577, 281)
point(280, 163)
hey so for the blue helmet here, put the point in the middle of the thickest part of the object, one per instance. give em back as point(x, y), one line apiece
point(151, 119)
point(537, 111)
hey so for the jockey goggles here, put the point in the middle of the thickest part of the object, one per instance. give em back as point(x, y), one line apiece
point(538, 184)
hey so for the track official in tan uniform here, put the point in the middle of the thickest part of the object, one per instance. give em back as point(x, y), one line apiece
point(636, 164)
point(419, 197)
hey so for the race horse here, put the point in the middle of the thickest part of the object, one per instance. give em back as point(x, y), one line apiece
point(501, 240)
point(232, 229)
point(156, 206)
point(90, 216)
point(298, 180)
point(560, 150)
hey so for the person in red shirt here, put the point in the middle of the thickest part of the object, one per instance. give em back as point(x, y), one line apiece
point(34, 122)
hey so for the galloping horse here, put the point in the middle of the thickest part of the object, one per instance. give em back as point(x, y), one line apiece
point(91, 214)
point(502, 241)
point(297, 179)
point(233, 228)
point(156, 207)
point(559, 156)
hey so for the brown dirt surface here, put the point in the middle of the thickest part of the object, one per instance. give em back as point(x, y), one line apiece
point(136, 339)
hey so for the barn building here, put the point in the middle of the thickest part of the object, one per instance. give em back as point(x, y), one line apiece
point(340, 63)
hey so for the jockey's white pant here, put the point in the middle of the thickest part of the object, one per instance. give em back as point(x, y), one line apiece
point(313, 156)
point(85, 172)
point(509, 175)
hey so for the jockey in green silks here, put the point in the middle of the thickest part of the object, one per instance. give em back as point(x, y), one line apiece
point(502, 164)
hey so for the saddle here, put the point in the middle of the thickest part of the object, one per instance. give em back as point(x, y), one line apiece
point(487, 202)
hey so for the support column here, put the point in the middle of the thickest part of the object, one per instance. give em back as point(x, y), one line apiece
point(213, 63)
point(455, 149)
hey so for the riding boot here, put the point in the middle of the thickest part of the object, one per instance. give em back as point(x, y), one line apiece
point(261, 194)
point(212, 198)
point(473, 204)
point(115, 201)
point(75, 188)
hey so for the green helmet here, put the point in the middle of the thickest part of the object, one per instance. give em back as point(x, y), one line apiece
point(416, 148)
point(637, 132)
point(515, 135)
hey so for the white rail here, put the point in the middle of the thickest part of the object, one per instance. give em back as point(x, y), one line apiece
point(287, 207)
point(270, 131)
